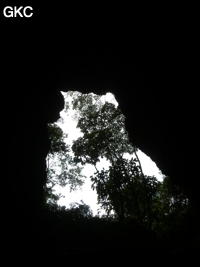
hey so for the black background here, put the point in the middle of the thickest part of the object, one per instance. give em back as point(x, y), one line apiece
point(147, 57)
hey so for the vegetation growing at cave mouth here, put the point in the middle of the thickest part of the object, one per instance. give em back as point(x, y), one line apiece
point(124, 192)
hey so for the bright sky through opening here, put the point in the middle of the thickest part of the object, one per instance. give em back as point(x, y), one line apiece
point(68, 123)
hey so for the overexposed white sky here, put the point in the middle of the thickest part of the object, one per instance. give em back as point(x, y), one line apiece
point(85, 193)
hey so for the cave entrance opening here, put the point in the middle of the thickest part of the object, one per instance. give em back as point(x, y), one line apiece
point(89, 142)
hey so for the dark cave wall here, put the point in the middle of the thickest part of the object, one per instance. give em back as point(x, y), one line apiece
point(149, 91)
point(27, 144)
point(151, 77)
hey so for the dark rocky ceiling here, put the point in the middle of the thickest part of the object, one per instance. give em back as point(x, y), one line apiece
point(151, 80)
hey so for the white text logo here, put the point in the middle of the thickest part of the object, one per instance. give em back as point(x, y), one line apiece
point(13, 12)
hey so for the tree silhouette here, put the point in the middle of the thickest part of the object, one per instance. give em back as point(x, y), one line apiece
point(123, 188)
point(125, 193)
point(61, 168)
